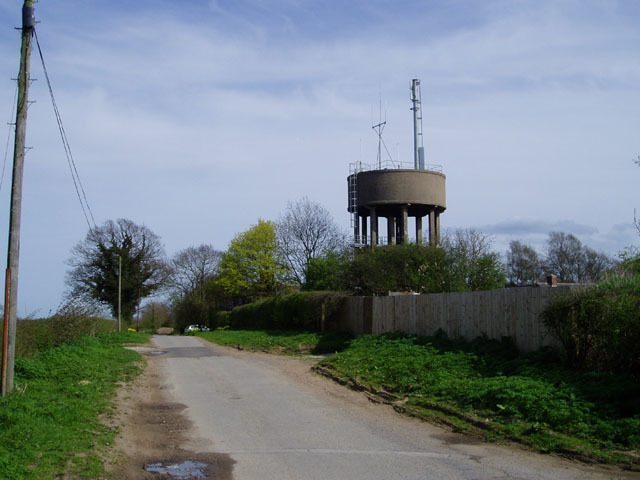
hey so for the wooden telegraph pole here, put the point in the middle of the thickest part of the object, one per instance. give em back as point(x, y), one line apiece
point(13, 250)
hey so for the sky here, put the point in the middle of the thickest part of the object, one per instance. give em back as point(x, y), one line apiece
point(197, 118)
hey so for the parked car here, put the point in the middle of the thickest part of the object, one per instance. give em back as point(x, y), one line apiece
point(196, 328)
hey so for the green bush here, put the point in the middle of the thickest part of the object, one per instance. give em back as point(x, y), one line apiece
point(298, 311)
point(418, 268)
point(330, 272)
point(599, 327)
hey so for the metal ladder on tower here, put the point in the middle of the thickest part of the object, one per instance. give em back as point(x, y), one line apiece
point(354, 168)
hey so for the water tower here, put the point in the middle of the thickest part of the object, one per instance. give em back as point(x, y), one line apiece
point(395, 191)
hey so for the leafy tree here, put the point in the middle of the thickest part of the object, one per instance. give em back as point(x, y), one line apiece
point(523, 264)
point(466, 263)
point(95, 265)
point(486, 273)
point(250, 269)
point(406, 267)
point(329, 272)
point(306, 231)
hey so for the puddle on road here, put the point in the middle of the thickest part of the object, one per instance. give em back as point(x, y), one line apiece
point(156, 352)
point(186, 470)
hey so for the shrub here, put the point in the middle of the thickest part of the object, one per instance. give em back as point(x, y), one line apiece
point(328, 273)
point(301, 311)
point(423, 269)
point(399, 268)
point(34, 336)
point(599, 327)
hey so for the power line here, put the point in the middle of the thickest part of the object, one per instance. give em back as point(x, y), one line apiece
point(77, 183)
point(11, 127)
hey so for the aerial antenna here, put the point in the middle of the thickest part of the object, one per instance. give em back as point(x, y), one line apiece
point(379, 128)
point(418, 147)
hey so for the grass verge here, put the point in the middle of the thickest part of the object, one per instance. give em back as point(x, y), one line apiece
point(485, 388)
point(280, 341)
point(50, 424)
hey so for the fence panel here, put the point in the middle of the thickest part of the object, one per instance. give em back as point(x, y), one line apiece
point(508, 312)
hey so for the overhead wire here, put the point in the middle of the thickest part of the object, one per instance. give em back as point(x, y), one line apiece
point(77, 183)
point(11, 128)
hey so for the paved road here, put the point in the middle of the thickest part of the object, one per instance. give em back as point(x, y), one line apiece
point(279, 421)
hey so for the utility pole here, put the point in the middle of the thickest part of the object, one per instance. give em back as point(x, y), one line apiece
point(119, 292)
point(13, 249)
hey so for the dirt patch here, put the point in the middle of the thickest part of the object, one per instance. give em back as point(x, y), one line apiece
point(153, 430)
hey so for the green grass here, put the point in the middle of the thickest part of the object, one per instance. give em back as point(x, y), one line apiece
point(50, 423)
point(280, 341)
point(36, 335)
point(486, 388)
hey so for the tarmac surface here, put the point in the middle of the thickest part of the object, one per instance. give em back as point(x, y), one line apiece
point(278, 420)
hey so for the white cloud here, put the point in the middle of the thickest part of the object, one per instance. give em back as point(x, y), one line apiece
point(199, 120)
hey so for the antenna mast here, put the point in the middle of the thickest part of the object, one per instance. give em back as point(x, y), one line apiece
point(418, 148)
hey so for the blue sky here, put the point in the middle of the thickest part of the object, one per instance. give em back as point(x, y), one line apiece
point(197, 118)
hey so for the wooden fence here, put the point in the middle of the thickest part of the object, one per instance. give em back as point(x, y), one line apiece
point(508, 312)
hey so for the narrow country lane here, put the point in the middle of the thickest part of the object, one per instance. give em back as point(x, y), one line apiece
point(277, 420)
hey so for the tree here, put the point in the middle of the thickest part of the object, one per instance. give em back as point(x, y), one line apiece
point(191, 268)
point(596, 265)
point(523, 264)
point(564, 257)
point(399, 268)
point(574, 262)
point(191, 271)
point(328, 272)
point(249, 269)
point(95, 265)
point(155, 315)
point(471, 262)
point(306, 231)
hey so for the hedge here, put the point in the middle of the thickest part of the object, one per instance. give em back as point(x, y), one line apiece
point(296, 311)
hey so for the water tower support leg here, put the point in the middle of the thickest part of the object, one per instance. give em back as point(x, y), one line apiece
point(391, 230)
point(364, 230)
point(374, 227)
point(405, 224)
point(418, 230)
point(432, 228)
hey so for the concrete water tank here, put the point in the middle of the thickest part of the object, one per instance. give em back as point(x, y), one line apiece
point(397, 195)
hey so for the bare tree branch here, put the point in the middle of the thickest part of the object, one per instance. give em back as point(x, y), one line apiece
point(192, 267)
point(306, 231)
